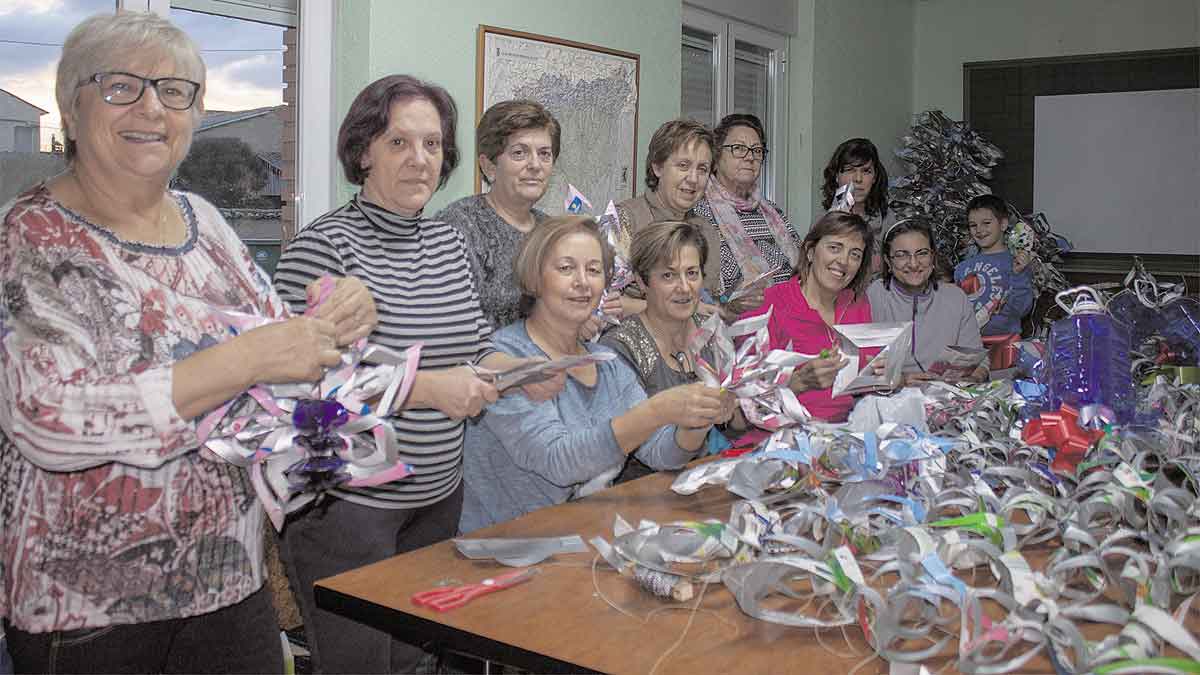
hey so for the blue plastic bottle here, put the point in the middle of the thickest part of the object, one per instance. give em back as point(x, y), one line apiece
point(1089, 356)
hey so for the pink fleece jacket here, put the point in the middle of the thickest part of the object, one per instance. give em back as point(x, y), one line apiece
point(792, 320)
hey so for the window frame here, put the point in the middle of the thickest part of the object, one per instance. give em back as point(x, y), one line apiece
point(728, 32)
point(316, 130)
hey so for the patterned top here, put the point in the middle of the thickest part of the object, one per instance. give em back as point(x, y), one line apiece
point(634, 342)
point(418, 273)
point(108, 513)
point(492, 247)
point(756, 226)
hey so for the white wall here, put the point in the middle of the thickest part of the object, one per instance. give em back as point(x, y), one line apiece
point(16, 113)
point(949, 33)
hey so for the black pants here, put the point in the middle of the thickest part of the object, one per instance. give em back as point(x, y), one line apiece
point(337, 536)
point(243, 638)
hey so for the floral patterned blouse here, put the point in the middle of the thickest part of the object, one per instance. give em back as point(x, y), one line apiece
point(109, 513)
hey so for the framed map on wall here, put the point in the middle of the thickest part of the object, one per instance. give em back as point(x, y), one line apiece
point(592, 92)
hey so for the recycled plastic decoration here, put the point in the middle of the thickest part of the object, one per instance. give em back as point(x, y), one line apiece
point(920, 538)
point(949, 163)
point(299, 441)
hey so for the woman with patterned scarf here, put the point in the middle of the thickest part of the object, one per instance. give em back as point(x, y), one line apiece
point(759, 248)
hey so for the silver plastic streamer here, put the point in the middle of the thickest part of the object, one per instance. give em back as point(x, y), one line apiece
point(926, 539)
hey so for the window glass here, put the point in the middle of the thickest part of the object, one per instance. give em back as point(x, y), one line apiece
point(236, 160)
point(31, 37)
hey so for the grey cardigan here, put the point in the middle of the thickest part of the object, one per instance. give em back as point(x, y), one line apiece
point(941, 317)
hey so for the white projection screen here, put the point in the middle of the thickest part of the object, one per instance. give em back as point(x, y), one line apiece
point(1120, 172)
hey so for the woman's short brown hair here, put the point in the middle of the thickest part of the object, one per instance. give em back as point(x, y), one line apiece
point(527, 267)
point(369, 114)
point(670, 137)
point(661, 242)
point(839, 223)
point(507, 118)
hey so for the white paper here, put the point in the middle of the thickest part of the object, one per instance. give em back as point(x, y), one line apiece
point(893, 337)
point(956, 363)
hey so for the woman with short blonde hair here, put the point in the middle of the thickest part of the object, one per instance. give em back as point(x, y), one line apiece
point(523, 455)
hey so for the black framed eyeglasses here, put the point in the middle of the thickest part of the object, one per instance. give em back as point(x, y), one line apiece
point(117, 88)
point(740, 151)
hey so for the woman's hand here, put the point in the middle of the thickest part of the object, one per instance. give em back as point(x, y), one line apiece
point(980, 374)
point(590, 328)
point(693, 406)
point(612, 306)
point(913, 379)
point(1021, 260)
point(350, 307)
point(751, 299)
point(729, 406)
point(546, 389)
point(455, 392)
point(819, 373)
point(296, 350)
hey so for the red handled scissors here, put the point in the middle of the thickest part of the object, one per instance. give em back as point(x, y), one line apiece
point(450, 597)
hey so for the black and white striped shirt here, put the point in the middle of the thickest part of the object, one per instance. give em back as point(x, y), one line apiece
point(418, 273)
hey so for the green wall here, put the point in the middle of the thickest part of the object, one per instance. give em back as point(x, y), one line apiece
point(436, 41)
point(862, 79)
point(801, 184)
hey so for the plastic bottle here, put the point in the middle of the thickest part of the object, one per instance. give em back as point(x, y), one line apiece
point(1089, 356)
point(1181, 324)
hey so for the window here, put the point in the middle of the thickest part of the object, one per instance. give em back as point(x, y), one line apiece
point(31, 37)
point(300, 161)
point(730, 67)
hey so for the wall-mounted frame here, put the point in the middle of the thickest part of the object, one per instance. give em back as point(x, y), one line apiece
point(593, 93)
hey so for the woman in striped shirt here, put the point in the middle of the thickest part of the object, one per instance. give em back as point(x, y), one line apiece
point(398, 143)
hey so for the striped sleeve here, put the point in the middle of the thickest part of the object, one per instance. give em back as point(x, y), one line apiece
point(419, 275)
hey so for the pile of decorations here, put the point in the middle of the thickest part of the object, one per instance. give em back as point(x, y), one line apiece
point(949, 162)
point(986, 526)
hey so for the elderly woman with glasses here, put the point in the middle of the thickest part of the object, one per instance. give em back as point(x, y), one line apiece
point(756, 237)
point(123, 546)
point(941, 314)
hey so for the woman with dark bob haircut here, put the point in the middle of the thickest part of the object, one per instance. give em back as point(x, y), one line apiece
point(856, 162)
point(756, 236)
point(678, 164)
point(397, 142)
point(829, 288)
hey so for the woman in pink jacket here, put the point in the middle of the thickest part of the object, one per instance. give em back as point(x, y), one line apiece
point(829, 288)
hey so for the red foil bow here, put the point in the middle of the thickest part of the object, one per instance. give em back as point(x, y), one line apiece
point(1060, 430)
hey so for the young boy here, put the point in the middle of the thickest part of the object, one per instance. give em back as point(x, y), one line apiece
point(1000, 288)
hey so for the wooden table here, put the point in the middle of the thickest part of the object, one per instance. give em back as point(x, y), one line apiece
point(558, 623)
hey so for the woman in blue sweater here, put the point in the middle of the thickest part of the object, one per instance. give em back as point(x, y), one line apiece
point(520, 455)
